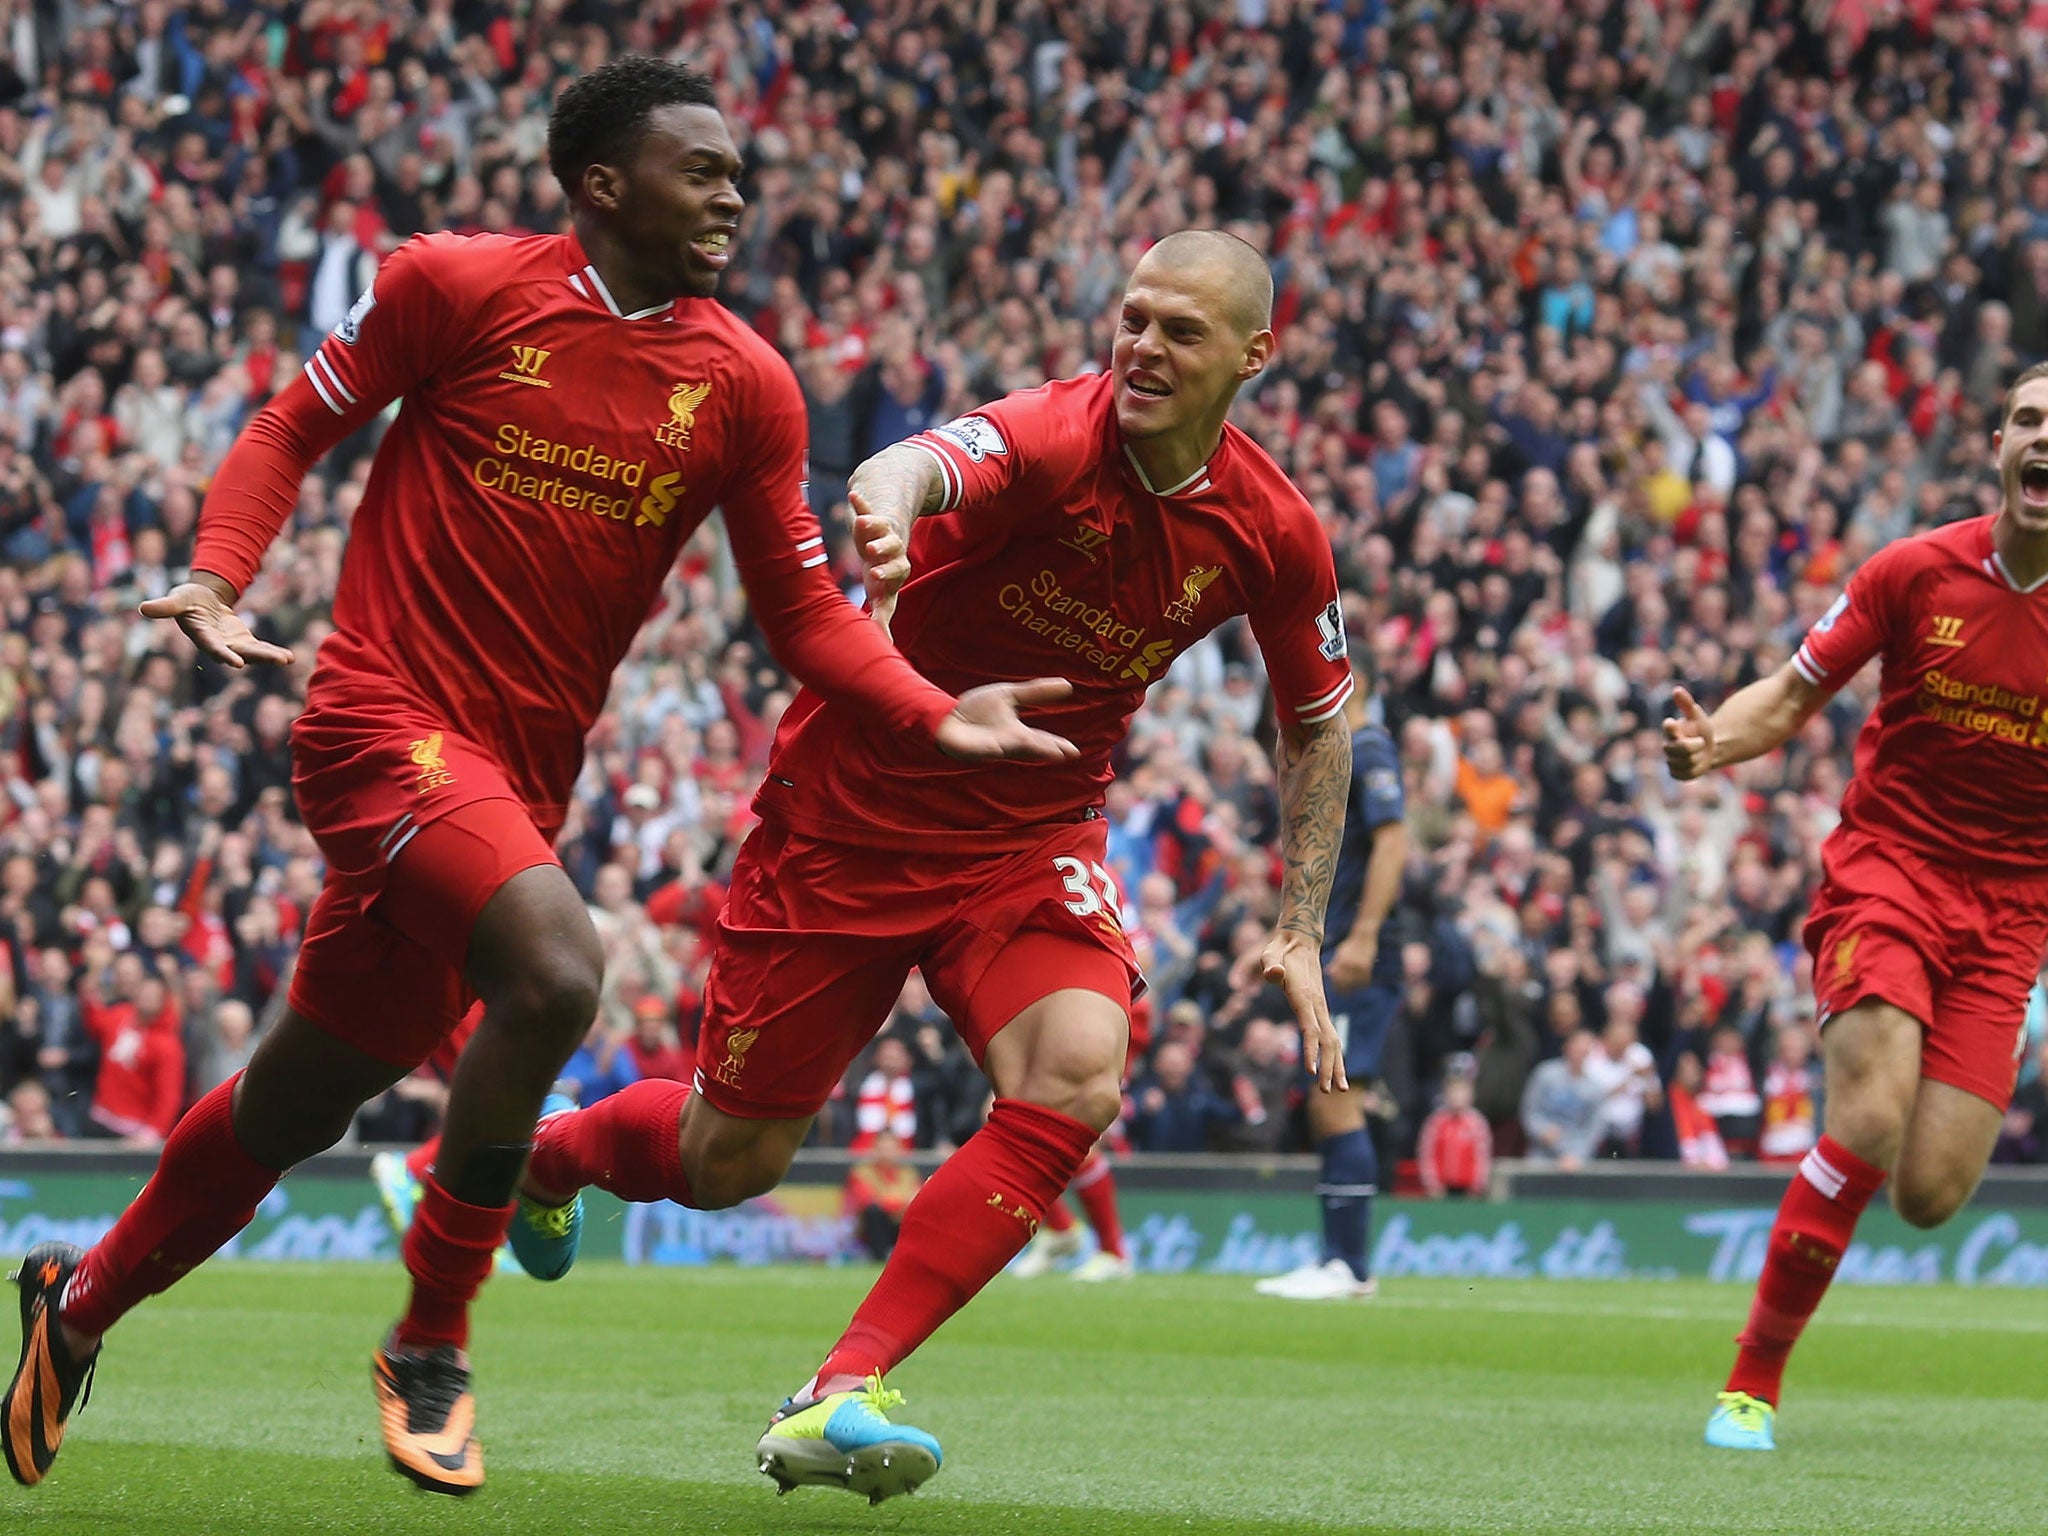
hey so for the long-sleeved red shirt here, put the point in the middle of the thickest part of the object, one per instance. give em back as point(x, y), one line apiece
point(141, 1084)
point(550, 458)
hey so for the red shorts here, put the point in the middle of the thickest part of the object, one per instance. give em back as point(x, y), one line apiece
point(419, 833)
point(1956, 951)
point(817, 938)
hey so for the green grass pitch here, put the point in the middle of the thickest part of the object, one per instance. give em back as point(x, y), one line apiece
point(625, 1401)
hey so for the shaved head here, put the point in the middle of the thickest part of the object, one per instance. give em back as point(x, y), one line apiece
point(1228, 270)
point(1195, 324)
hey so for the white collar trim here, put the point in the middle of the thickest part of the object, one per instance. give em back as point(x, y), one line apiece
point(577, 280)
point(1201, 473)
point(1996, 564)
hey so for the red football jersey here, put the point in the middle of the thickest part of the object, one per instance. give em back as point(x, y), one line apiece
point(1954, 759)
point(1054, 558)
point(551, 457)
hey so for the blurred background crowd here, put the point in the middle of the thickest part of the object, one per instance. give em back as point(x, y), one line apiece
point(1614, 334)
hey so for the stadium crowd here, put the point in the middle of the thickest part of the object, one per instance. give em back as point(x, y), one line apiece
point(1614, 334)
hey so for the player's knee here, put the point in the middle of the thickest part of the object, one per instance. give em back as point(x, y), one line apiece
point(1868, 1114)
point(1929, 1202)
point(556, 992)
point(1095, 1098)
point(1073, 1063)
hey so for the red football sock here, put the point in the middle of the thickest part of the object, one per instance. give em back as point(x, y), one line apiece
point(1058, 1218)
point(1095, 1188)
point(1815, 1223)
point(449, 1249)
point(630, 1144)
point(419, 1162)
point(204, 1191)
point(967, 1223)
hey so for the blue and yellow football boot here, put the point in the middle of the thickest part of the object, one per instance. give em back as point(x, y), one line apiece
point(845, 1440)
point(543, 1238)
point(1742, 1423)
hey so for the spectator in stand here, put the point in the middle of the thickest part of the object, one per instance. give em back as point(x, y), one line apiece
point(1563, 1105)
point(1626, 1073)
point(653, 1046)
point(1263, 1075)
point(1791, 1108)
point(888, 1097)
point(66, 1053)
point(1454, 1154)
point(601, 1066)
point(1507, 997)
point(879, 1188)
point(1728, 1089)
point(1176, 1108)
point(140, 1088)
point(227, 1045)
point(29, 1122)
point(1699, 1139)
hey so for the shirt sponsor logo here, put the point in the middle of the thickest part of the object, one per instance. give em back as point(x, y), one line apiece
point(975, 436)
point(684, 401)
point(1983, 708)
point(351, 328)
point(1092, 631)
point(1947, 631)
point(1182, 609)
point(527, 363)
point(663, 491)
point(510, 471)
point(737, 1044)
point(1330, 625)
point(434, 770)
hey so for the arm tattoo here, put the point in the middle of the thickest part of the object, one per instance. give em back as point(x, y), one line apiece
point(1315, 782)
point(900, 477)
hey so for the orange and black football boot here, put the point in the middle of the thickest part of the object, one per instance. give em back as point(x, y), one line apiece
point(429, 1417)
point(47, 1382)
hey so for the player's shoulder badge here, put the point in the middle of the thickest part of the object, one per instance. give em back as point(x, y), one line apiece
point(1330, 625)
point(1836, 609)
point(975, 436)
point(351, 327)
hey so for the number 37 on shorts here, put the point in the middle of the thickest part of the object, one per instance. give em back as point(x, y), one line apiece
point(1091, 890)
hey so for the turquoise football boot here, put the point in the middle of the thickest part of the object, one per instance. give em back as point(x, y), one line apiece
point(845, 1440)
point(397, 1190)
point(543, 1238)
point(1742, 1423)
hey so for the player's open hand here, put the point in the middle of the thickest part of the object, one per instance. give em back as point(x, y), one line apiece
point(1292, 962)
point(212, 625)
point(1688, 738)
point(984, 726)
point(883, 540)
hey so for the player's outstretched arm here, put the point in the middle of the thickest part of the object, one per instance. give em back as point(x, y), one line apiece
point(888, 494)
point(1315, 781)
point(204, 608)
point(1757, 719)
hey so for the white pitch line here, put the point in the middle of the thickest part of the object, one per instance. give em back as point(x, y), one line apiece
point(1732, 1314)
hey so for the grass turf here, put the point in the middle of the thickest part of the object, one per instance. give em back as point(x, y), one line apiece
point(626, 1401)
